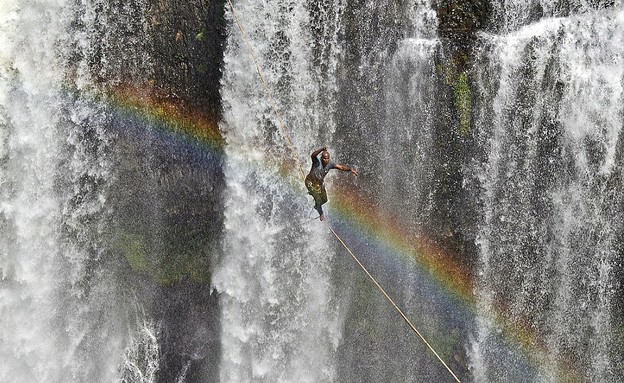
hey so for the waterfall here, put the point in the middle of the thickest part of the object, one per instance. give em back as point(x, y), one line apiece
point(549, 241)
point(63, 309)
point(409, 109)
point(52, 207)
point(509, 15)
point(154, 226)
point(337, 79)
point(96, 283)
point(279, 314)
point(30, 208)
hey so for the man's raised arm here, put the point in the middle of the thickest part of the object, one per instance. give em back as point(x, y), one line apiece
point(317, 152)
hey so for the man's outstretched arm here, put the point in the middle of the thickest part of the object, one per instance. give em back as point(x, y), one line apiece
point(346, 169)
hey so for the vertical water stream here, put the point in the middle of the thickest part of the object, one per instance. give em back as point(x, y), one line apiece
point(58, 322)
point(279, 317)
point(552, 124)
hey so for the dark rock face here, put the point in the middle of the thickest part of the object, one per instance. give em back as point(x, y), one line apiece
point(175, 206)
point(159, 67)
point(187, 50)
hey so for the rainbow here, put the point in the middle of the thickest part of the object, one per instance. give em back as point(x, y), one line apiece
point(169, 117)
point(358, 218)
point(446, 274)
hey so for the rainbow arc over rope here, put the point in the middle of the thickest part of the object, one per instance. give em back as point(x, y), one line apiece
point(360, 217)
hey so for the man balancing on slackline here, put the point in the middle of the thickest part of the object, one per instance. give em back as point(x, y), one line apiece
point(314, 179)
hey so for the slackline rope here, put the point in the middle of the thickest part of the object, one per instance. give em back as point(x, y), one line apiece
point(294, 154)
point(393, 304)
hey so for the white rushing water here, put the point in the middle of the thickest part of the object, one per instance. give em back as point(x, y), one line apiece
point(59, 319)
point(548, 243)
point(279, 317)
point(29, 207)
point(513, 14)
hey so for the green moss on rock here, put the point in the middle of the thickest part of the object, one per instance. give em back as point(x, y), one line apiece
point(166, 269)
point(459, 82)
point(132, 248)
point(463, 103)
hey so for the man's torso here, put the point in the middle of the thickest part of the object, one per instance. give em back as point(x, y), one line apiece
point(318, 172)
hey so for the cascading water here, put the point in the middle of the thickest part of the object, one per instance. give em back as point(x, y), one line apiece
point(52, 208)
point(30, 208)
point(549, 243)
point(410, 100)
point(64, 311)
point(283, 315)
point(506, 151)
point(279, 319)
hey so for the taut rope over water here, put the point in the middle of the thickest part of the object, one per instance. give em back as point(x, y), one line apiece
point(294, 154)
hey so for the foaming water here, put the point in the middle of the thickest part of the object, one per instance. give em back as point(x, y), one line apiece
point(549, 242)
point(60, 319)
point(513, 14)
point(142, 354)
point(279, 320)
point(30, 207)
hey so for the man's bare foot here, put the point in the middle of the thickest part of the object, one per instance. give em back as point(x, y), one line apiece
point(322, 217)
